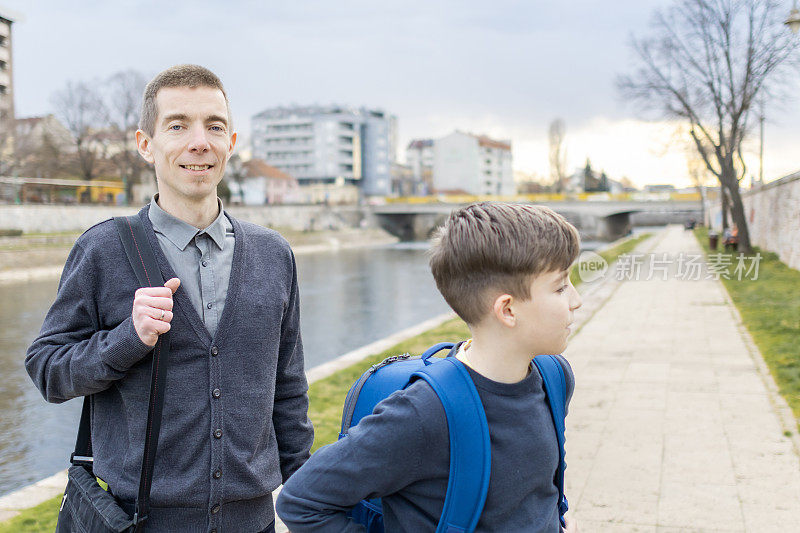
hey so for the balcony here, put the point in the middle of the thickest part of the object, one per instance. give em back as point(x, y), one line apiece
point(4, 54)
point(5, 79)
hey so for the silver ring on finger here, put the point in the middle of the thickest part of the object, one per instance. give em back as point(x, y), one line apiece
point(162, 315)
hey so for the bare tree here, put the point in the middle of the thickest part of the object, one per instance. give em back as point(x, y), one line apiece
point(706, 62)
point(82, 110)
point(558, 158)
point(123, 92)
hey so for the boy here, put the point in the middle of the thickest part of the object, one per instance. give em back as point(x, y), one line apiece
point(504, 269)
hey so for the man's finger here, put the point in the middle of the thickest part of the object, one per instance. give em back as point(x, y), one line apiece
point(150, 301)
point(164, 292)
point(161, 315)
point(173, 284)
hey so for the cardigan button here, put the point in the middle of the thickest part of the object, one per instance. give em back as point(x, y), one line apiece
point(215, 509)
point(214, 350)
point(217, 433)
point(217, 474)
point(216, 393)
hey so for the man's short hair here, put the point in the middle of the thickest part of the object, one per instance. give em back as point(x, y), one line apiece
point(490, 246)
point(178, 76)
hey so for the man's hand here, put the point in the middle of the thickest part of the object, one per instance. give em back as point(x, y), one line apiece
point(152, 311)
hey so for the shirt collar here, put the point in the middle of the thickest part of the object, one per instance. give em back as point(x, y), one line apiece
point(181, 233)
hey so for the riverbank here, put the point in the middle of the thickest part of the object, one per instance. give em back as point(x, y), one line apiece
point(42, 256)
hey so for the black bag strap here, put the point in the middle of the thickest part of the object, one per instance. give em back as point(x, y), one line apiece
point(143, 260)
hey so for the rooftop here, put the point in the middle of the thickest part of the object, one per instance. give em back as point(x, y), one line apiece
point(316, 110)
point(259, 168)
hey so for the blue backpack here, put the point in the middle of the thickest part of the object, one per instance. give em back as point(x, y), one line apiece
point(470, 448)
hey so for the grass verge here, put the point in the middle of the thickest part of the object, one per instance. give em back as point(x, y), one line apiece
point(37, 519)
point(770, 310)
point(326, 396)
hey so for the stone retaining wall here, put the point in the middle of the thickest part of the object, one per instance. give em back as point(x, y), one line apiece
point(62, 218)
point(773, 217)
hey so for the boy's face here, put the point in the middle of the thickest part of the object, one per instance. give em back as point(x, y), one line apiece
point(544, 320)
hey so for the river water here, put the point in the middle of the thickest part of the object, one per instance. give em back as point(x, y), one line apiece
point(348, 298)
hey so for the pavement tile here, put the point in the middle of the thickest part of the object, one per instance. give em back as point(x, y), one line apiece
point(763, 518)
point(648, 372)
point(686, 505)
point(634, 396)
point(614, 527)
point(603, 504)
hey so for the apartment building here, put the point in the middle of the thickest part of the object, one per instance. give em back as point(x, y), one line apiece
point(472, 164)
point(6, 71)
point(329, 145)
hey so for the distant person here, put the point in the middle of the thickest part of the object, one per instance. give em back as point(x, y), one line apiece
point(235, 422)
point(504, 269)
point(730, 238)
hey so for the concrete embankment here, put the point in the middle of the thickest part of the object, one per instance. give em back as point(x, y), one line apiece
point(42, 257)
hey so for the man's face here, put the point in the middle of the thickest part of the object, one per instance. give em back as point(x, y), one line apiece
point(546, 317)
point(191, 143)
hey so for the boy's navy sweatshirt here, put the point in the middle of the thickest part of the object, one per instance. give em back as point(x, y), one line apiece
point(402, 453)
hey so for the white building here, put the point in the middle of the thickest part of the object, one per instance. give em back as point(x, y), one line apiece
point(329, 145)
point(473, 164)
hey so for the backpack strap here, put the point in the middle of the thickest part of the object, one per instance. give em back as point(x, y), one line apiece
point(470, 447)
point(143, 261)
point(555, 387)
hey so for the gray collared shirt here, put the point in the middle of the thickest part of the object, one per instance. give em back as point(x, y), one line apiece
point(201, 258)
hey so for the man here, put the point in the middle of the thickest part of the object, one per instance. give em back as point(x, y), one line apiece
point(235, 423)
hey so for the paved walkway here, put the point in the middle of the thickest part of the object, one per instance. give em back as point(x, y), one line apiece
point(674, 424)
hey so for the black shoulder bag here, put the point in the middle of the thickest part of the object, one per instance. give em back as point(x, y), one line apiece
point(87, 507)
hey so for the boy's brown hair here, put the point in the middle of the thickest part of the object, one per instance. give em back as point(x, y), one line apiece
point(178, 76)
point(500, 246)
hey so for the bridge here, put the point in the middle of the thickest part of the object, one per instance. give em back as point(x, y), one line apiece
point(606, 220)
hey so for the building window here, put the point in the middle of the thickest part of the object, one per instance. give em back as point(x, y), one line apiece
point(3, 65)
point(2, 40)
point(3, 89)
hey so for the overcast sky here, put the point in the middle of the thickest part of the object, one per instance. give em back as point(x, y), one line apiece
point(502, 68)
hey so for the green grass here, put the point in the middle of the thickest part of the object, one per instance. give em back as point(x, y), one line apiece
point(41, 518)
point(326, 398)
point(770, 310)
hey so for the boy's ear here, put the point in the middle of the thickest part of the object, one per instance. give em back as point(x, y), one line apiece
point(503, 311)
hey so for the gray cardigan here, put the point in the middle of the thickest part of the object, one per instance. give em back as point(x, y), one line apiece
point(235, 422)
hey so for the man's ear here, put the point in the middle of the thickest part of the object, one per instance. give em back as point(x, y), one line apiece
point(143, 146)
point(232, 144)
point(503, 311)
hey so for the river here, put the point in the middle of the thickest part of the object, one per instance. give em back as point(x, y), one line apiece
point(348, 298)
